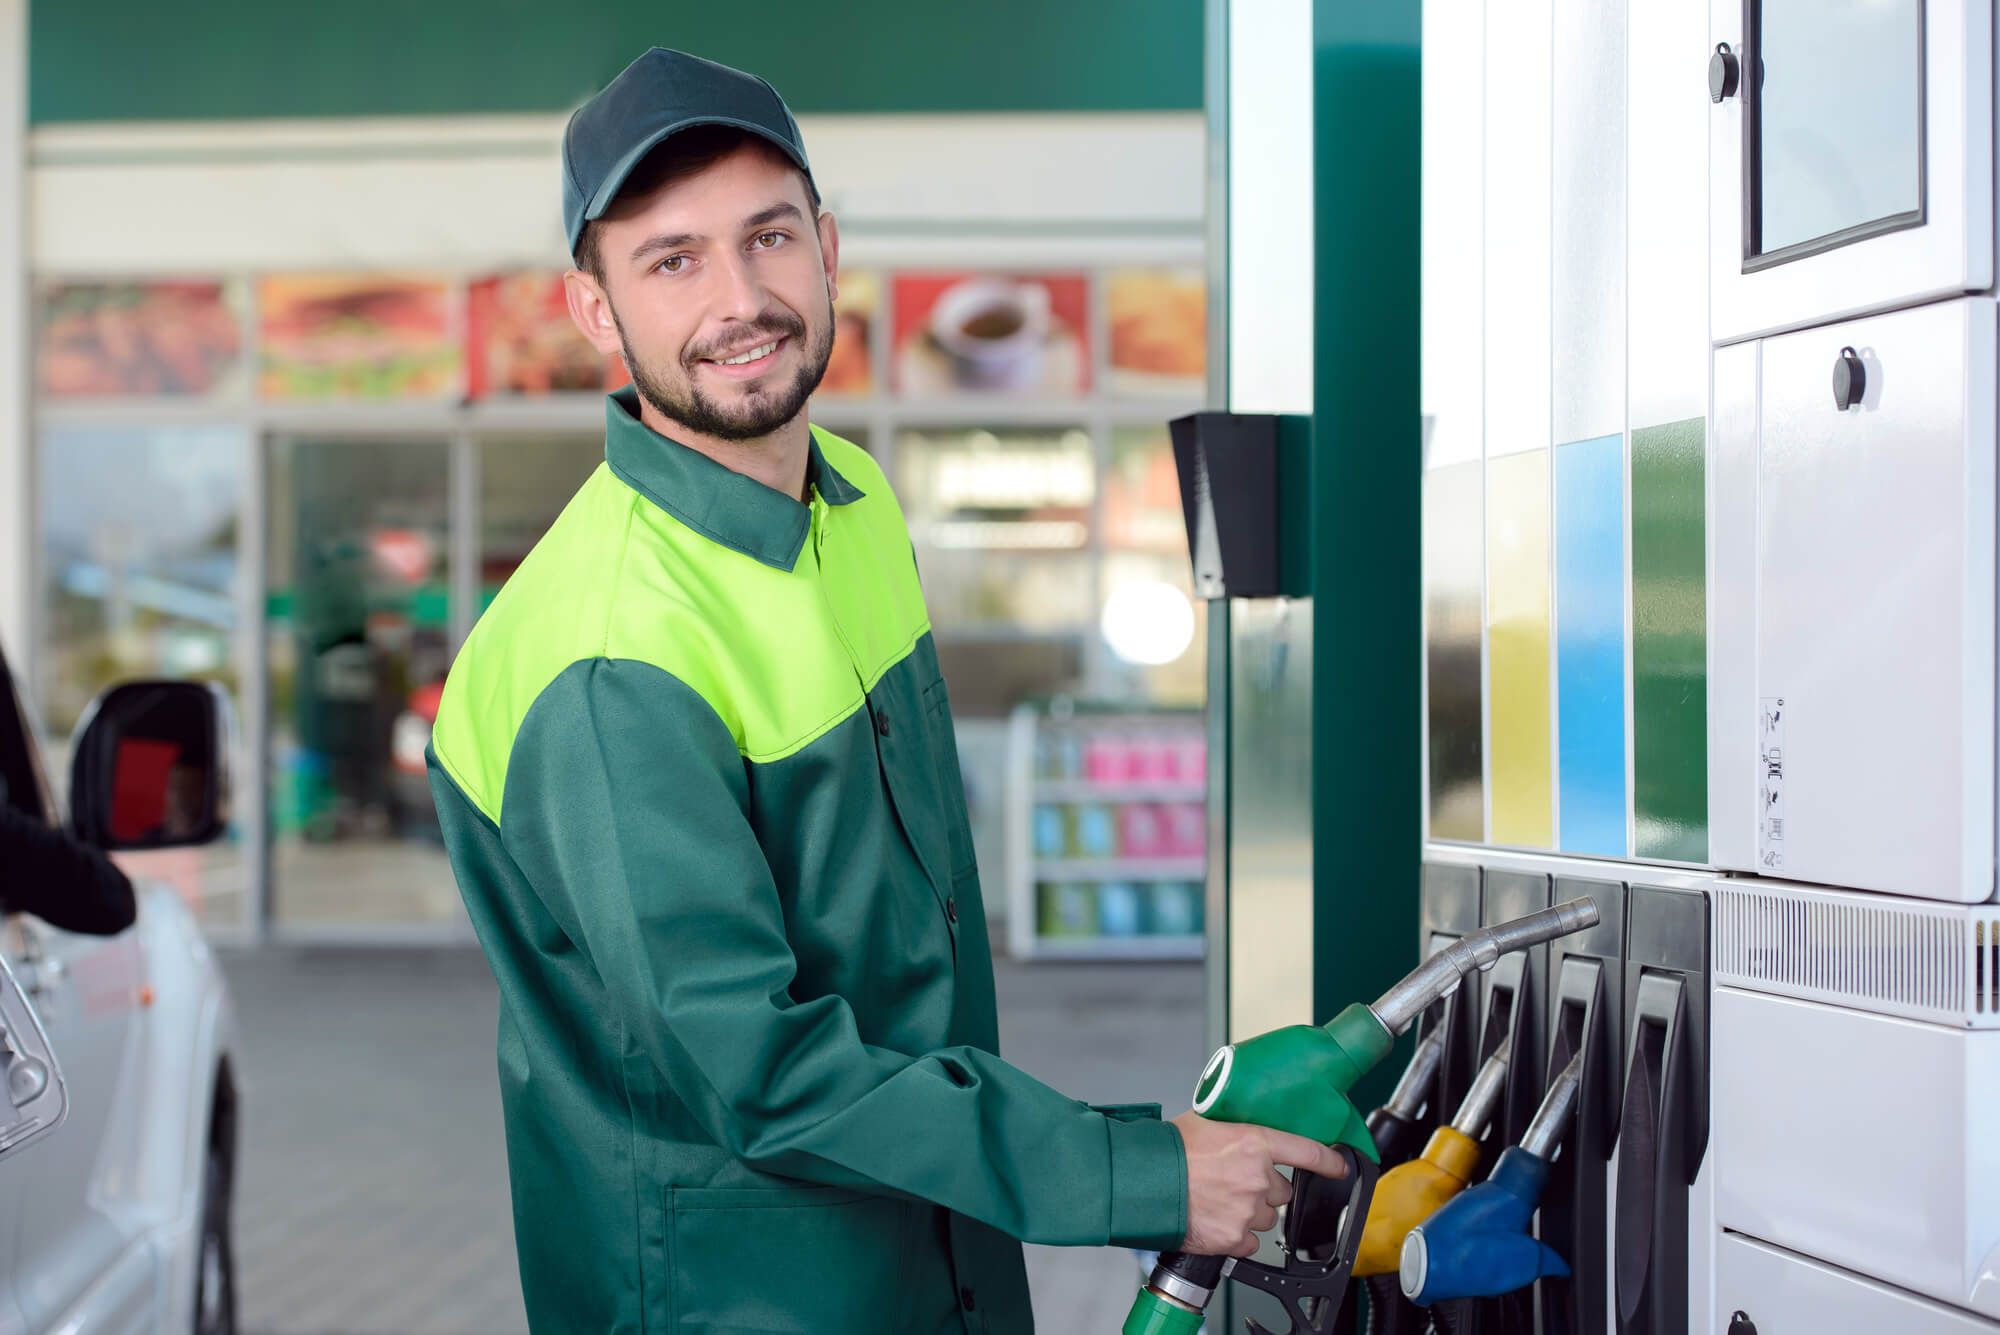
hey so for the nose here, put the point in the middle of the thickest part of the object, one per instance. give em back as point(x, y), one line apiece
point(739, 295)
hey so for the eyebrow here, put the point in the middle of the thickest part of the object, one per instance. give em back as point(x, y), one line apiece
point(664, 241)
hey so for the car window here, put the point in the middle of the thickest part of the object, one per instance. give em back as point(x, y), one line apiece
point(21, 785)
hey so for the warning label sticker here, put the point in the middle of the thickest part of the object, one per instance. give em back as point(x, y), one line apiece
point(1771, 783)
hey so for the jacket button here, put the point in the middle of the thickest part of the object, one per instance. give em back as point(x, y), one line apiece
point(965, 1298)
point(882, 721)
point(951, 909)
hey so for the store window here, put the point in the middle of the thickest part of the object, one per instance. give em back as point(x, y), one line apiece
point(140, 576)
point(1019, 415)
point(358, 631)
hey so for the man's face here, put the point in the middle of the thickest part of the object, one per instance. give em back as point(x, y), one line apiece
point(707, 271)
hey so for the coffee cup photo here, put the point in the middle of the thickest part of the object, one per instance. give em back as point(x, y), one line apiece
point(995, 330)
point(989, 333)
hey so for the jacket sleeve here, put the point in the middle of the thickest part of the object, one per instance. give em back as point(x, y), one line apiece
point(626, 806)
point(60, 879)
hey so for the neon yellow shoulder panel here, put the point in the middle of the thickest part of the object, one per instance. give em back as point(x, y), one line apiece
point(782, 656)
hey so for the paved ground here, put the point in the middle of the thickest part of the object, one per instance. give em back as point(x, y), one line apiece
point(373, 1196)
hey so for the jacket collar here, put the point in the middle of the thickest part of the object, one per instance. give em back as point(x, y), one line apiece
point(715, 501)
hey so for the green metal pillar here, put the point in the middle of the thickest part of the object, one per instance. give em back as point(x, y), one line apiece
point(1366, 499)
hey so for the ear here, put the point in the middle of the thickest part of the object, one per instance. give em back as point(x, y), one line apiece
point(829, 253)
point(590, 311)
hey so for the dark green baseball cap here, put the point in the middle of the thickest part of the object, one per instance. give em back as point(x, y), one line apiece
point(658, 95)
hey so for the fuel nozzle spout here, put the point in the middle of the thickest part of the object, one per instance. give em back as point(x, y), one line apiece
point(1407, 1099)
point(1479, 1245)
point(1440, 975)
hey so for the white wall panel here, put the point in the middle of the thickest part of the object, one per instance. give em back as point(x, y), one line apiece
point(1587, 316)
point(1875, 602)
point(1667, 208)
point(474, 192)
point(1453, 261)
point(1271, 206)
point(1517, 98)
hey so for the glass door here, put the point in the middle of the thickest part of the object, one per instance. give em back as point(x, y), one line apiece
point(358, 636)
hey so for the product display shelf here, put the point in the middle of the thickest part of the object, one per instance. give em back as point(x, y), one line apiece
point(1106, 819)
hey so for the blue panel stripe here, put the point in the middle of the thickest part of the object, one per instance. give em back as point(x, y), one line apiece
point(1590, 646)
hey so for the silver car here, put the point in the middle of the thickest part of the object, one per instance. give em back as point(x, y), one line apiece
point(118, 1125)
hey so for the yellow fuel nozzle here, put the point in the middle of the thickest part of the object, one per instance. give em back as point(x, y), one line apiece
point(1412, 1192)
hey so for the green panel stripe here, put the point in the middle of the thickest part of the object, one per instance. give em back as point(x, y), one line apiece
point(1669, 643)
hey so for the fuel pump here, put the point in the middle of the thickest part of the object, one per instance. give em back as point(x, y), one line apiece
point(1479, 1246)
point(1296, 1079)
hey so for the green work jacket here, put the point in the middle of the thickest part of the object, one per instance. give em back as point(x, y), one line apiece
point(696, 772)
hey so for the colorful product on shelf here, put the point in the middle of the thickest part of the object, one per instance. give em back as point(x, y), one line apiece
point(1113, 838)
point(1096, 832)
point(1186, 830)
point(1067, 909)
point(1176, 908)
point(1052, 826)
point(1120, 909)
point(1149, 758)
point(1191, 759)
point(1142, 831)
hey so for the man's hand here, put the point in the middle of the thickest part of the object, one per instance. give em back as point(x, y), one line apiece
point(1234, 1186)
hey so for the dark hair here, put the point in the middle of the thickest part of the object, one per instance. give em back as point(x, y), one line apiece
point(685, 154)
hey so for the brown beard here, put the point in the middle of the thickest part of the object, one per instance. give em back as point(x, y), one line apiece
point(764, 412)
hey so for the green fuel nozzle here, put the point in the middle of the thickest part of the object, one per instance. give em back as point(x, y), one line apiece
point(1297, 1079)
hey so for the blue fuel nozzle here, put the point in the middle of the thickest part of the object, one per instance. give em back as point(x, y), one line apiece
point(1478, 1245)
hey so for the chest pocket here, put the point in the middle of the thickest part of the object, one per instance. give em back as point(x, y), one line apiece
point(943, 744)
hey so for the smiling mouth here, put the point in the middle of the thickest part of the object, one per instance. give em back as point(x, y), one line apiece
point(750, 358)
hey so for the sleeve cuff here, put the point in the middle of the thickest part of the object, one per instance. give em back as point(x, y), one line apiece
point(1148, 1184)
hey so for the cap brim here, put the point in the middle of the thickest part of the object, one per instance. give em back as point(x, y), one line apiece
point(614, 180)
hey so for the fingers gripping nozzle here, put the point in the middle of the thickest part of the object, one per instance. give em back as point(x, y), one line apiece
point(1478, 1245)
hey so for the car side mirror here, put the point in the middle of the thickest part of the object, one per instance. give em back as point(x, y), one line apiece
point(149, 768)
point(33, 1101)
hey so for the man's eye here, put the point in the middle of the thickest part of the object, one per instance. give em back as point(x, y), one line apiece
point(673, 263)
point(767, 240)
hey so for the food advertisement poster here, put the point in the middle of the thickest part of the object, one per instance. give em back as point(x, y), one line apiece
point(850, 372)
point(345, 336)
point(988, 333)
point(1159, 331)
point(118, 339)
point(521, 341)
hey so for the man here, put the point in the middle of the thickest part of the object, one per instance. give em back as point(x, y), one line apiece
point(696, 771)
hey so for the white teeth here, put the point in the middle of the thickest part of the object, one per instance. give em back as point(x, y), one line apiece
point(749, 356)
